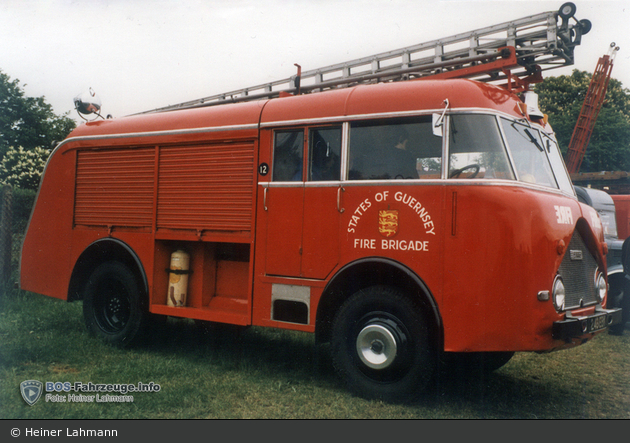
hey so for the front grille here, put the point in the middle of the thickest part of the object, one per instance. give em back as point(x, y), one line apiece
point(578, 274)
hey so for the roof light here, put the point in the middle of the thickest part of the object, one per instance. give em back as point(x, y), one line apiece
point(531, 100)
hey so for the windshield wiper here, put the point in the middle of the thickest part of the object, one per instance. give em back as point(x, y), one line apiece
point(533, 140)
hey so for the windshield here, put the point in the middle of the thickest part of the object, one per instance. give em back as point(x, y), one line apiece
point(557, 164)
point(528, 153)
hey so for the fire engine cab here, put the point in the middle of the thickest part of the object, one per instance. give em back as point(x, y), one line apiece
point(408, 213)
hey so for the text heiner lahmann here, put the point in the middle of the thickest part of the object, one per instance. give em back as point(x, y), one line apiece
point(80, 432)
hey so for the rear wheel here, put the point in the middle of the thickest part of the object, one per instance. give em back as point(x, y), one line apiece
point(381, 346)
point(113, 305)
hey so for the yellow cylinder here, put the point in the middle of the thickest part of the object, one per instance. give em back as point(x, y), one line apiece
point(178, 279)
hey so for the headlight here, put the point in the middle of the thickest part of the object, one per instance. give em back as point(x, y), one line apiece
point(600, 286)
point(558, 294)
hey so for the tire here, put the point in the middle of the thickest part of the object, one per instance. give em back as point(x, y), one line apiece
point(381, 346)
point(114, 307)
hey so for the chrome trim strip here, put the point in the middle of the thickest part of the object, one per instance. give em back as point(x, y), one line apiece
point(418, 182)
point(446, 145)
point(414, 113)
point(348, 118)
point(345, 149)
point(162, 133)
point(323, 184)
point(295, 184)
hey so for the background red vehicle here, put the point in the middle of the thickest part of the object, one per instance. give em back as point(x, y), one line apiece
point(622, 208)
point(405, 222)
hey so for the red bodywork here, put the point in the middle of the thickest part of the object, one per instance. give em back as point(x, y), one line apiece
point(622, 214)
point(480, 253)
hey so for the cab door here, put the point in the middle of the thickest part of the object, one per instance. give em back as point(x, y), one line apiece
point(283, 201)
point(322, 196)
point(302, 203)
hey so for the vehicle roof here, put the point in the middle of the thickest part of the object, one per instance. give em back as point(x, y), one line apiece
point(401, 97)
point(359, 101)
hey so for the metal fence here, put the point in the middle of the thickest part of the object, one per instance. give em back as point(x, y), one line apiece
point(6, 218)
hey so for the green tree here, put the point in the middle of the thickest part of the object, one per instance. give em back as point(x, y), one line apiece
point(609, 147)
point(28, 122)
point(23, 169)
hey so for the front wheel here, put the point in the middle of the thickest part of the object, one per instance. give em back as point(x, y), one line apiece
point(381, 346)
point(113, 305)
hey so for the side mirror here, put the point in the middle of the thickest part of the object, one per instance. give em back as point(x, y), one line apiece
point(438, 120)
point(437, 125)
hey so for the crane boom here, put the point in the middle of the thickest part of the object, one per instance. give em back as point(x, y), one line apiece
point(593, 102)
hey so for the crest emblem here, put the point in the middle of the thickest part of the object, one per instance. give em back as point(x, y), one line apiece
point(31, 391)
point(388, 222)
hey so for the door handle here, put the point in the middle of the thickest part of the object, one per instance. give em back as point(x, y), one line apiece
point(265, 198)
point(339, 191)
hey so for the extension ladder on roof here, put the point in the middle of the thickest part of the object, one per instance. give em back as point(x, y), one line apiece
point(512, 50)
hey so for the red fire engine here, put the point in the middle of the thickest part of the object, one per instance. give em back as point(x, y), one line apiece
point(405, 220)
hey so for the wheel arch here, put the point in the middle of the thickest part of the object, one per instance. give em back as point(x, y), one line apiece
point(102, 250)
point(368, 272)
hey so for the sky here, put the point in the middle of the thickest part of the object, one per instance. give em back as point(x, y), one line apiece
point(139, 55)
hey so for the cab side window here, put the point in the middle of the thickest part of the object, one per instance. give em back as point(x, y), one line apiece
point(288, 154)
point(394, 149)
point(324, 154)
point(476, 148)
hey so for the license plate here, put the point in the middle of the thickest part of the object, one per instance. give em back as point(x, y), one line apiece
point(597, 323)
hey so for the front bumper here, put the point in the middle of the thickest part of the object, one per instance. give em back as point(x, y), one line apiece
point(577, 327)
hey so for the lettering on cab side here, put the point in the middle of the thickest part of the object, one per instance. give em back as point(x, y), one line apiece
point(564, 215)
point(388, 224)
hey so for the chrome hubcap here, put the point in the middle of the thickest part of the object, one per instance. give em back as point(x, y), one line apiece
point(376, 346)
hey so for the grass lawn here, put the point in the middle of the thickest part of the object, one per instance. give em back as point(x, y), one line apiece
point(265, 373)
